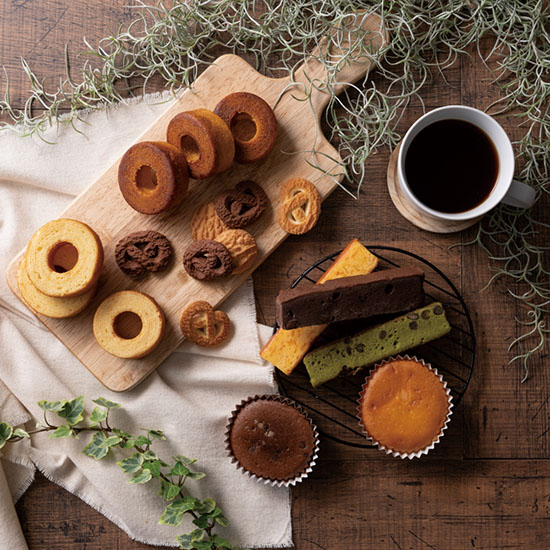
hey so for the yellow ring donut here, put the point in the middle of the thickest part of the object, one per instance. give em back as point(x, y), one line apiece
point(50, 306)
point(42, 248)
point(152, 324)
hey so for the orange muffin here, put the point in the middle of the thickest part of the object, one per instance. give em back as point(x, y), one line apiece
point(404, 406)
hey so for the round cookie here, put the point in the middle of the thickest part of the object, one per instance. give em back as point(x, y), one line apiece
point(203, 326)
point(252, 124)
point(300, 206)
point(153, 176)
point(205, 223)
point(143, 251)
point(242, 247)
point(64, 258)
point(242, 205)
point(50, 306)
point(109, 319)
point(204, 139)
point(205, 260)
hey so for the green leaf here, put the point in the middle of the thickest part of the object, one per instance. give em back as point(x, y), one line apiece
point(142, 477)
point(217, 511)
point(51, 406)
point(179, 469)
point(72, 410)
point(95, 448)
point(111, 441)
point(19, 432)
point(196, 475)
point(141, 440)
point(6, 432)
point(171, 491)
point(173, 513)
point(222, 520)
point(207, 505)
point(102, 402)
point(156, 434)
point(150, 455)
point(184, 459)
point(122, 434)
point(154, 467)
point(132, 464)
point(201, 522)
point(185, 541)
point(204, 545)
point(219, 542)
point(98, 416)
point(197, 535)
point(129, 443)
point(63, 431)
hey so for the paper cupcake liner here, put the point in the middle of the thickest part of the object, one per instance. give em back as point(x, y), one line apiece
point(382, 447)
point(270, 481)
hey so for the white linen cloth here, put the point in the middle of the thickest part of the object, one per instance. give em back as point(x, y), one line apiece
point(189, 397)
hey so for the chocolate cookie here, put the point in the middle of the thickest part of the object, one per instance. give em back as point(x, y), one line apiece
point(143, 251)
point(206, 259)
point(242, 205)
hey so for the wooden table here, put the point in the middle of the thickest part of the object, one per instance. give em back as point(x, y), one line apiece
point(487, 485)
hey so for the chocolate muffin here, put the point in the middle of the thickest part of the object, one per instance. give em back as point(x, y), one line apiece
point(272, 439)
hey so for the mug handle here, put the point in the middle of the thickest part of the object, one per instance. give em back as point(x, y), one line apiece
point(519, 195)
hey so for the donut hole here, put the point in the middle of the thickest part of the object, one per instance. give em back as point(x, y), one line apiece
point(63, 257)
point(243, 127)
point(127, 325)
point(190, 149)
point(146, 179)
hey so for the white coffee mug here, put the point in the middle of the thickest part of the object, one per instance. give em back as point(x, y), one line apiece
point(506, 189)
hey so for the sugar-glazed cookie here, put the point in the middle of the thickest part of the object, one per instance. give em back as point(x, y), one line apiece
point(202, 325)
point(300, 206)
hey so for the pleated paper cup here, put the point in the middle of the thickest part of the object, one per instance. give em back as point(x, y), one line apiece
point(275, 482)
point(394, 452)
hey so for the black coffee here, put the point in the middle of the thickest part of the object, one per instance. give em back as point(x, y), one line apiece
point(451, 166)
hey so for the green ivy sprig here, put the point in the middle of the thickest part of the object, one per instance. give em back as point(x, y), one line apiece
point(143, 465)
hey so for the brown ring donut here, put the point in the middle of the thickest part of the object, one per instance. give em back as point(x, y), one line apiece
point(252, 124)
point(204, 139)
point(153, 176)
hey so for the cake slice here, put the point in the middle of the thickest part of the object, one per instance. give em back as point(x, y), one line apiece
point(286, 348)
point(359, 297)
point(348, 355)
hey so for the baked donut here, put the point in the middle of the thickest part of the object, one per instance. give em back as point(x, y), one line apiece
point(64, 258)
point(50, 306)
point(252, 124)
point(204, 139)
point(153, 176)
point(117, 330)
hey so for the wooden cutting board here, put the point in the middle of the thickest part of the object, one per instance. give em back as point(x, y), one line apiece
point(102, 207)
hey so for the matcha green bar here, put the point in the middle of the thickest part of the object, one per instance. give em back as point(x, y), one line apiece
point(365, 348)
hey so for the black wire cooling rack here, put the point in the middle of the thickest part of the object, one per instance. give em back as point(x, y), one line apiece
point(333, 405)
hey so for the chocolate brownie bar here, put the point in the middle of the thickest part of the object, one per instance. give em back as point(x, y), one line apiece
point(379, 293)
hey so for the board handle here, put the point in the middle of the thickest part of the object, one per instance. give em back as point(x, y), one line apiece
point(311, 76)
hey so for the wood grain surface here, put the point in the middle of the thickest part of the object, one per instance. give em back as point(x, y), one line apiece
point(487, 484)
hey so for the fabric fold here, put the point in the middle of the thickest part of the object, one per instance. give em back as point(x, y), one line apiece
point(190, 396)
